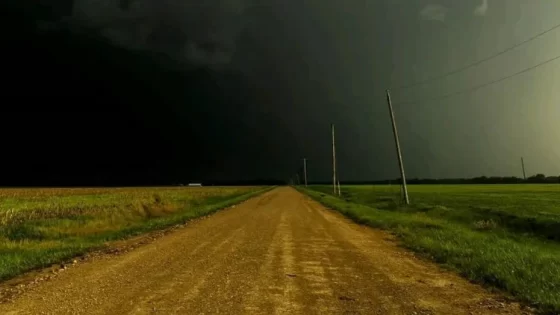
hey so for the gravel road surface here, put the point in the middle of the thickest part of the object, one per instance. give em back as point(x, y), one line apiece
point(279, 253)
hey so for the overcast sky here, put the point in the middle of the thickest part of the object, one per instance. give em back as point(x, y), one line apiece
point(311, 63)
point(336, 58)
point(484, 132)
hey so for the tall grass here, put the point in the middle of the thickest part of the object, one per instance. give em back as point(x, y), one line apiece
point(40, 227)
point(493, 235)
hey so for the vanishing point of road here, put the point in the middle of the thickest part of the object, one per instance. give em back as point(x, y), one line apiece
point(278, 253)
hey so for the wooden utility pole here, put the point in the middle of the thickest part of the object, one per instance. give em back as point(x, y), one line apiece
point(305, 171)
point(333, 160)
point(523, 168)
point(339, 188)
point(399, 156)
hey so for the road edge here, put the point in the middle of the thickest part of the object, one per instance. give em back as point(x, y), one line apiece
point(507, 296)
point(15, 286)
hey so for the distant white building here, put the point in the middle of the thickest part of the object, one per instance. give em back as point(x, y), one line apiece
point(195, 185)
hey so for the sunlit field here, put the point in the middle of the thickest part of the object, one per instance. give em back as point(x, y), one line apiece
point(504, 236)
point(39, 227)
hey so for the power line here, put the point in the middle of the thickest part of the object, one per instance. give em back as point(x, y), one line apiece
point(477, 87)
point(476, 63)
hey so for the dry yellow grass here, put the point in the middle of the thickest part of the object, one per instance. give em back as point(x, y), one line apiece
point(20, 205)
point(45, 225)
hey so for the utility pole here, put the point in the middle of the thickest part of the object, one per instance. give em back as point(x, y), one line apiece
point(523, 168)
point(333, 160)
point(399, 156)
point(339, 188)
point(297, 178)
point(305, 171)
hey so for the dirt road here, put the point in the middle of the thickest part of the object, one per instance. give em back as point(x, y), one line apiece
point(279, 253)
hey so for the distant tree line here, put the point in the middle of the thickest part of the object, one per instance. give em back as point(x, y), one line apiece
point(250, 182)
point(537, 179)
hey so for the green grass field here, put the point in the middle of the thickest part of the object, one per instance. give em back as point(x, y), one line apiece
point(39, 227)
point(503, 236)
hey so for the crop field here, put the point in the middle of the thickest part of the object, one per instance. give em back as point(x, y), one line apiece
point(503, 236)
point(39, 227)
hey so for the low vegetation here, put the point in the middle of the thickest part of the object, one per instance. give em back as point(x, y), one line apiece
point(39, 227)
point(503, 236)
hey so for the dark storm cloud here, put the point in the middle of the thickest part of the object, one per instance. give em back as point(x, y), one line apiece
point(260, 83)
point(200, 32)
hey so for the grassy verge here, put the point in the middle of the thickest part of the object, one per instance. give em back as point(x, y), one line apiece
point(523, 264)
point(520, 209)
point(29, 240)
